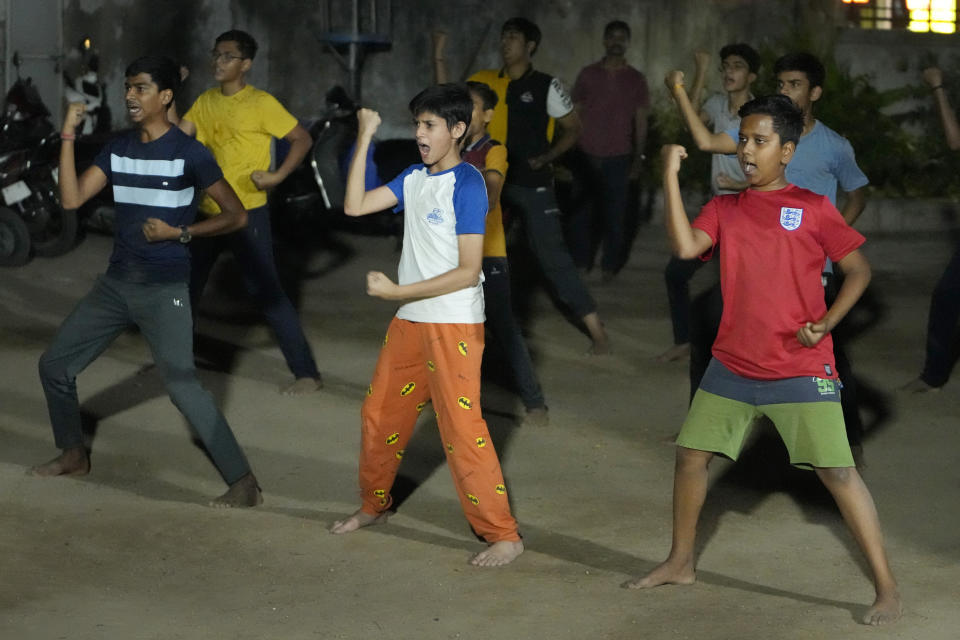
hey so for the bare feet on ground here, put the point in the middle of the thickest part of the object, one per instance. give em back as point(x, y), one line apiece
point(536, 417)
point(886, 609)
point(599, 348)
point(498, 554)
point(303, 386)
point(918, 386)
point(359, 519)
point(666, 573)
point(598, 334)
point(72, 462)
point(245, 492)
point(676, 352)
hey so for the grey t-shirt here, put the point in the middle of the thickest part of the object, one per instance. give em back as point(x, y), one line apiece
point(722, 120)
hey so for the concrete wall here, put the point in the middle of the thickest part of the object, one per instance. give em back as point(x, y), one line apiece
point(297, 69)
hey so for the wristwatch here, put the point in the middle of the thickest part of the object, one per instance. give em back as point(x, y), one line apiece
point(185, 235)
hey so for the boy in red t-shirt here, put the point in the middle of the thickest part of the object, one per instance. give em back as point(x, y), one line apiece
point(773, 354)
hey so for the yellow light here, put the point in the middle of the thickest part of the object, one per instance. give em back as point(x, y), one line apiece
point(919, 27)
point(915, 5)
point(920, 16)
point(943, 15)
point(943, 27)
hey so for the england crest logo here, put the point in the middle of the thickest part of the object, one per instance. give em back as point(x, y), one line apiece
point(790, 218)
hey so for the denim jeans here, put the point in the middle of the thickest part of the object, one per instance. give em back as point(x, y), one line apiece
point(537, 207)
point(252, 246)
point(601, 208)
point(502, 327)
point(162, 313)
point(942, 325)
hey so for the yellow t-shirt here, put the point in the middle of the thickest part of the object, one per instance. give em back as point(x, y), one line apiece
point(238, 130)
point(494, 242)
point(498, 82)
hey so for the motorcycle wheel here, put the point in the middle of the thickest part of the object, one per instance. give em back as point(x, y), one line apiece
point(14, 239)
point(53, 230)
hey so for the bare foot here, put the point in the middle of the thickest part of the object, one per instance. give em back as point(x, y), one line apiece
point(72, 462)
point(599, 348)
point(666, 573)
point(598, 334)
point(676, 352)
point(886, 609)
point(303, 386)
point(917, 386)
point(359, 519)
point(498, 554)
point(537, 417)
point(245, 492)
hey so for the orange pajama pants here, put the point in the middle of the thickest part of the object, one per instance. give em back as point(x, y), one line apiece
point(422, 362)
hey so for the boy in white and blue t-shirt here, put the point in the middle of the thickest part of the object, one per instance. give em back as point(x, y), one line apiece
point(434, 344)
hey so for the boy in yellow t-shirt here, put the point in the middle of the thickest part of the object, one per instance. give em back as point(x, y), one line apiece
point(238, 122)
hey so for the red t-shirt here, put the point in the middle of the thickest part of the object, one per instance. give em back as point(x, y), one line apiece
point(772, 247)
point(608, 100)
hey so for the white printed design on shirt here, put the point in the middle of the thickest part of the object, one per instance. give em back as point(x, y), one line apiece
point(790, 218)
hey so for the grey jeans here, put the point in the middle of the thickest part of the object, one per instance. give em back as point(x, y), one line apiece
point(537, 207)
point(162, 313)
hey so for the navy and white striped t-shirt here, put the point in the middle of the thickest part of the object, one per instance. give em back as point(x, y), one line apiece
point(162, 179)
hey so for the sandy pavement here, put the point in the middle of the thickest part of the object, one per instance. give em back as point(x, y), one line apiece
point(131, 552)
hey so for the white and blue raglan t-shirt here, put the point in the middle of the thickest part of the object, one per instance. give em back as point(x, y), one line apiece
point(163, 179)
point(439, 207)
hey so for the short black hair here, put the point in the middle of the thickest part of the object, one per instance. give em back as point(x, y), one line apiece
point(245, 42)
point(616, 25)
point(451, 101)
point(526, 28)
point(787, 117)
point(163, 71)
point(745, 51)
point(482, 90)
point(805, 62)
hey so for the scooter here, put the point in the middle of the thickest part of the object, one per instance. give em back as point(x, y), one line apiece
point(31, 218)
point(318, 185)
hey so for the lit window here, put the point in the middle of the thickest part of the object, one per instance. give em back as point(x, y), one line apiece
point(922, 16)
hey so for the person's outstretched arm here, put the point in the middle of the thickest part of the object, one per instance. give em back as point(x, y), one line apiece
point(441, 73)
point(75, 191)
point(701, 60)
point(567, 133)
point(856, 271)
point(357, 201)
point(465, 274)
point(704, 139)
point(687, 243)
point(934, 79)
point(232, 217)
point(300, 143)
point(854, 205)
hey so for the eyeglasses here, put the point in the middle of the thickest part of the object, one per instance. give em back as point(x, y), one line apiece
point(216, 56)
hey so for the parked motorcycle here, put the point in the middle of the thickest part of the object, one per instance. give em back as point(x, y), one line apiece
point(29, 157)
point(319, 184)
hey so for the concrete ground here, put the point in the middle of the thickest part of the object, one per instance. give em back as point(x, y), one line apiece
point(131, 552)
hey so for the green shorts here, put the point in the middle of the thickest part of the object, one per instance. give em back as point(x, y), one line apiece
point(806, 412)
